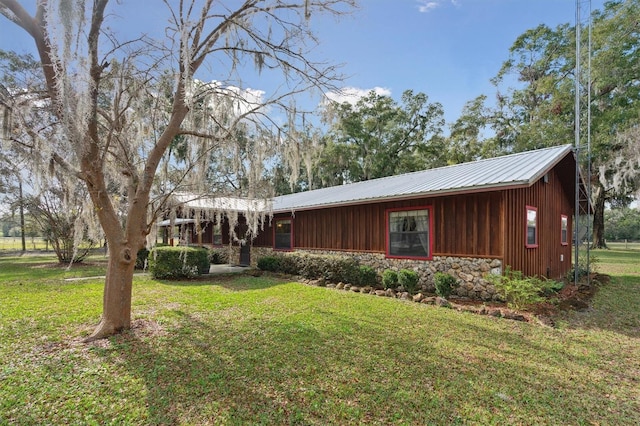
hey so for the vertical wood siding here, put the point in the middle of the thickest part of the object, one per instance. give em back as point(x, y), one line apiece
point(464, 225)
point(552, 202)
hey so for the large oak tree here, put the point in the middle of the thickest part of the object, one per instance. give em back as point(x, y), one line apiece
point(121, 103)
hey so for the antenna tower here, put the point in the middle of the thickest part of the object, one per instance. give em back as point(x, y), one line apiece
point(582, 144)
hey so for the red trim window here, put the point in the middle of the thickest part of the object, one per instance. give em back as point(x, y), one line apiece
point(564, 230)
point(532, 227)
point(283, 234)
point(409, 232)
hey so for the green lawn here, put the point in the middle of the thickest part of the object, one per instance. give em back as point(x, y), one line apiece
point(247, 350)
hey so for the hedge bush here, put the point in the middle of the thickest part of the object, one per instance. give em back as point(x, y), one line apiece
point(408, 279)
point(390, 278)
point(444, 284)
point(331, 268)
point(343, 269)
point(178, 262)
point(269, 263)
point(368, 276)
point(288, 264)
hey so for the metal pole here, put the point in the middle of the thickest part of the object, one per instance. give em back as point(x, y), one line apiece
point(577, 148)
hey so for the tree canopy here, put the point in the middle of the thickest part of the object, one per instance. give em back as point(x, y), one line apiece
point(121, 103)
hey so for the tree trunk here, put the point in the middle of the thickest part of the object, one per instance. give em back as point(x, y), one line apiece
point(116, 311)
point(598, 218)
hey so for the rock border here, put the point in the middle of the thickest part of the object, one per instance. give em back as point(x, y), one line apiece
point(461, 306)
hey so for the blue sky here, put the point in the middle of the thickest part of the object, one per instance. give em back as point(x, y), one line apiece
point(447, 49)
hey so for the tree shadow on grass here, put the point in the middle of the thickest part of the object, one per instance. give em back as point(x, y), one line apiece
point(291, 369)
point(199, 373)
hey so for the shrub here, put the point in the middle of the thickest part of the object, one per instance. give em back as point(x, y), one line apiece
point(517, 290)
point(444, 284)
point(269, 263)
point(408, 279)
point(343, 269)
point(312, 267)
point(368, 276)
point(178, 262)
point(288, 264)
point(218, 256)
point(141, 259)
point(389, 278)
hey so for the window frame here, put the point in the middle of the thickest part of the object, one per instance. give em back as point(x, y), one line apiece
point(275, 227)
point(564, 229)
point(535, 227)
point(215, 225)
point(387, 214)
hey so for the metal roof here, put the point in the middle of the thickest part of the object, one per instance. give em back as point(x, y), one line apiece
point(221, 204)
point(521, 169)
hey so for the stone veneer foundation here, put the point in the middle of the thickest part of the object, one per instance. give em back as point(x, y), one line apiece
point(468, 271)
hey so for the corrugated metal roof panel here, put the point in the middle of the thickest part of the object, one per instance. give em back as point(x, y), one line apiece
point(523, 168)
point(222, 204)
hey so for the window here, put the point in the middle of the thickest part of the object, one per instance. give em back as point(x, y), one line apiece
point(282, 238)
point(409, 233)
point(217, 234)
point(564, 230)
point(532, 227)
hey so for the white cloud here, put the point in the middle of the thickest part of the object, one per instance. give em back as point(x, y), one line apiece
point(354, 94)
point(426, 6)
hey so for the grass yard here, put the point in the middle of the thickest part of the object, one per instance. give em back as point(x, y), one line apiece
point(260, 350)
point(15, 244)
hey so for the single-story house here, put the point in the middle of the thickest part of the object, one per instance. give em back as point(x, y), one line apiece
point(468, 219)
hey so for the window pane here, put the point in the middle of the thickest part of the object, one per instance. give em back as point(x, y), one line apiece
point(283, 234)
point(531, 226)
point(564, 225)
point(217, 235)
point(409, 233)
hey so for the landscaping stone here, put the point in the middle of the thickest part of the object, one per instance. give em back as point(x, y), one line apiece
point(441, 301)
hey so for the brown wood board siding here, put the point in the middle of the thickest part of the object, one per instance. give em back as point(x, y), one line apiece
point(552, 202)
point(468, 224)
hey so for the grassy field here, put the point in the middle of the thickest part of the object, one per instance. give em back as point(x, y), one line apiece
point(15, 244)
point(260, 350)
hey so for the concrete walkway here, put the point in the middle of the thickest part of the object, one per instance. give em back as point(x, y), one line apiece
point(228, 269)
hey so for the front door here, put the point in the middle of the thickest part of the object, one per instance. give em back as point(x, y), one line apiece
point(245, 254)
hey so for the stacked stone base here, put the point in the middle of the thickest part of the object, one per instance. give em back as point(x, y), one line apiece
point(469, 272)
